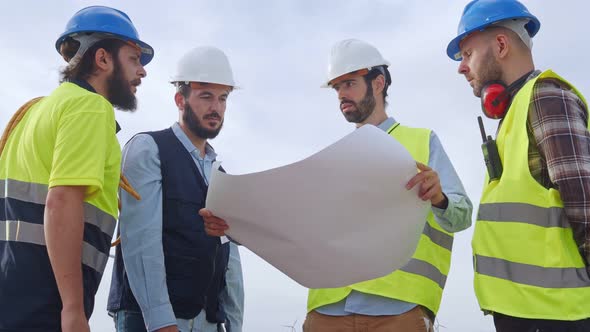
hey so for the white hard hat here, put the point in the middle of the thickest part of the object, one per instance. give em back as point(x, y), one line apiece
point(350, 55)
point(204, 64)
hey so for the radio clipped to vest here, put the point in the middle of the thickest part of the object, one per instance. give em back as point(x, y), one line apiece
point(490, 154)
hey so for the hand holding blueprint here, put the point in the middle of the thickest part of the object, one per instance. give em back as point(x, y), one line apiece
point(338, 217)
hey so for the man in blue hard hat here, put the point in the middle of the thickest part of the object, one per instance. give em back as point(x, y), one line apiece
point(531, 243)
point(59, 174)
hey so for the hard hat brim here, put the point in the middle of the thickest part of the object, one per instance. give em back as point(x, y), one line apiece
point(381, 63)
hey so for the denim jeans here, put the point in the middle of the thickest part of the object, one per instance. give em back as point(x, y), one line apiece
point(232, 296)
point(131, 321)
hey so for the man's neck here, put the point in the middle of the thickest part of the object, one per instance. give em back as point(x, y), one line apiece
point(99, 85)
point(199, 142)
point(376, 118)
point(516, 70)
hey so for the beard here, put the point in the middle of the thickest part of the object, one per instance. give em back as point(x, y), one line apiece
point(490, 71)
point(196, 127)
point(362, 110)
point(119, 90)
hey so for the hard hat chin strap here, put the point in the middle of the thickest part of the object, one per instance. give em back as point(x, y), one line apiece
point(86, 41)
point(518, 27)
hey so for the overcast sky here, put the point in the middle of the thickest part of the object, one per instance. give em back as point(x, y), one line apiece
point(279, 52)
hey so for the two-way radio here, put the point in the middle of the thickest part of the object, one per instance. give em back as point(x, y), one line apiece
point(490, 154)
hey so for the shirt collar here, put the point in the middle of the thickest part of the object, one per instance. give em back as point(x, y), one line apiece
point(532, 75)
point(385, 125)
point(189, 146)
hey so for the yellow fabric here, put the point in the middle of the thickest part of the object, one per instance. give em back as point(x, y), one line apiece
point(14, 120)
point(67, 139)
point(401, 285)
point(520, 242)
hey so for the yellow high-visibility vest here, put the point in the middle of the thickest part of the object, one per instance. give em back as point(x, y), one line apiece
point(526, 261)
point(423, 279)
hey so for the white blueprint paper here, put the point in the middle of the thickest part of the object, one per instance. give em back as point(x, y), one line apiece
point(339, 217)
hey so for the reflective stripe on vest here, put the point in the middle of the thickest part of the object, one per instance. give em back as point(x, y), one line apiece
point(442, 239)
point(523, 213)
point(37, 193)
point(33, 233)
point(427, 270)
point(526, 261)
point(531, 274)
point(25, 232)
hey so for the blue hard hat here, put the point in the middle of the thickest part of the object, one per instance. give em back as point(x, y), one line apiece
point(479, 14)
point(109, 21)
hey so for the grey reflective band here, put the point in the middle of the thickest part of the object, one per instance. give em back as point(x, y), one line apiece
point(25, 232)
point(93, 257)
point(427, 270)
point(442, 239)
point(37, 193)
point(23, 191)
point(546, 277)
point(20, 231)
point(523, 213)
point(99, 218)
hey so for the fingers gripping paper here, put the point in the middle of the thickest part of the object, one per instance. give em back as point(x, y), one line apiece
point(339, 217)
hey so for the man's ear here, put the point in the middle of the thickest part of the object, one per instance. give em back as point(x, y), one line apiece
point(502, 45)
point(179, 100)
point(103, 60)
point(378, 84)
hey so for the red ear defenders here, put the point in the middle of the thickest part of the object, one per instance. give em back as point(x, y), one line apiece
point(496, 96)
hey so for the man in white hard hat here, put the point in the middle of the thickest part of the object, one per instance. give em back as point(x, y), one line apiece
point(168, 274)
point(407, 299)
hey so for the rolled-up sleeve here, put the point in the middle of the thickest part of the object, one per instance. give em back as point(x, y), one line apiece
point(457, 216)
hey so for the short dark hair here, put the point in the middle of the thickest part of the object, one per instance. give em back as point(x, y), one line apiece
point(184, 90)
point(85, 67)
point(373, 74)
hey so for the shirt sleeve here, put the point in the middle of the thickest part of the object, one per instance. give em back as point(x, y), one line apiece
point(457, 216)
point(141, 232)
point(232, 296)
point(79, 154)
point(558, 119)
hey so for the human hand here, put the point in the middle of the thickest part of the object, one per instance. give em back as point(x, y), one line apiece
point(430, 188)
point(214, 226)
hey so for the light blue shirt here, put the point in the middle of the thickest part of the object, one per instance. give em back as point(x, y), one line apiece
point(141, 235)
point(456, 217)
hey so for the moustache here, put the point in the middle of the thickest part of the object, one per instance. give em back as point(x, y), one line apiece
point(347, 101)
point(214, 116)
point(136, 82)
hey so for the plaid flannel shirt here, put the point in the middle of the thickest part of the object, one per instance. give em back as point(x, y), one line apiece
point(559, 151)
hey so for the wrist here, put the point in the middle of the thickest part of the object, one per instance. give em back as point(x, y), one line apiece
point(73, 307)
point(441, 202)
